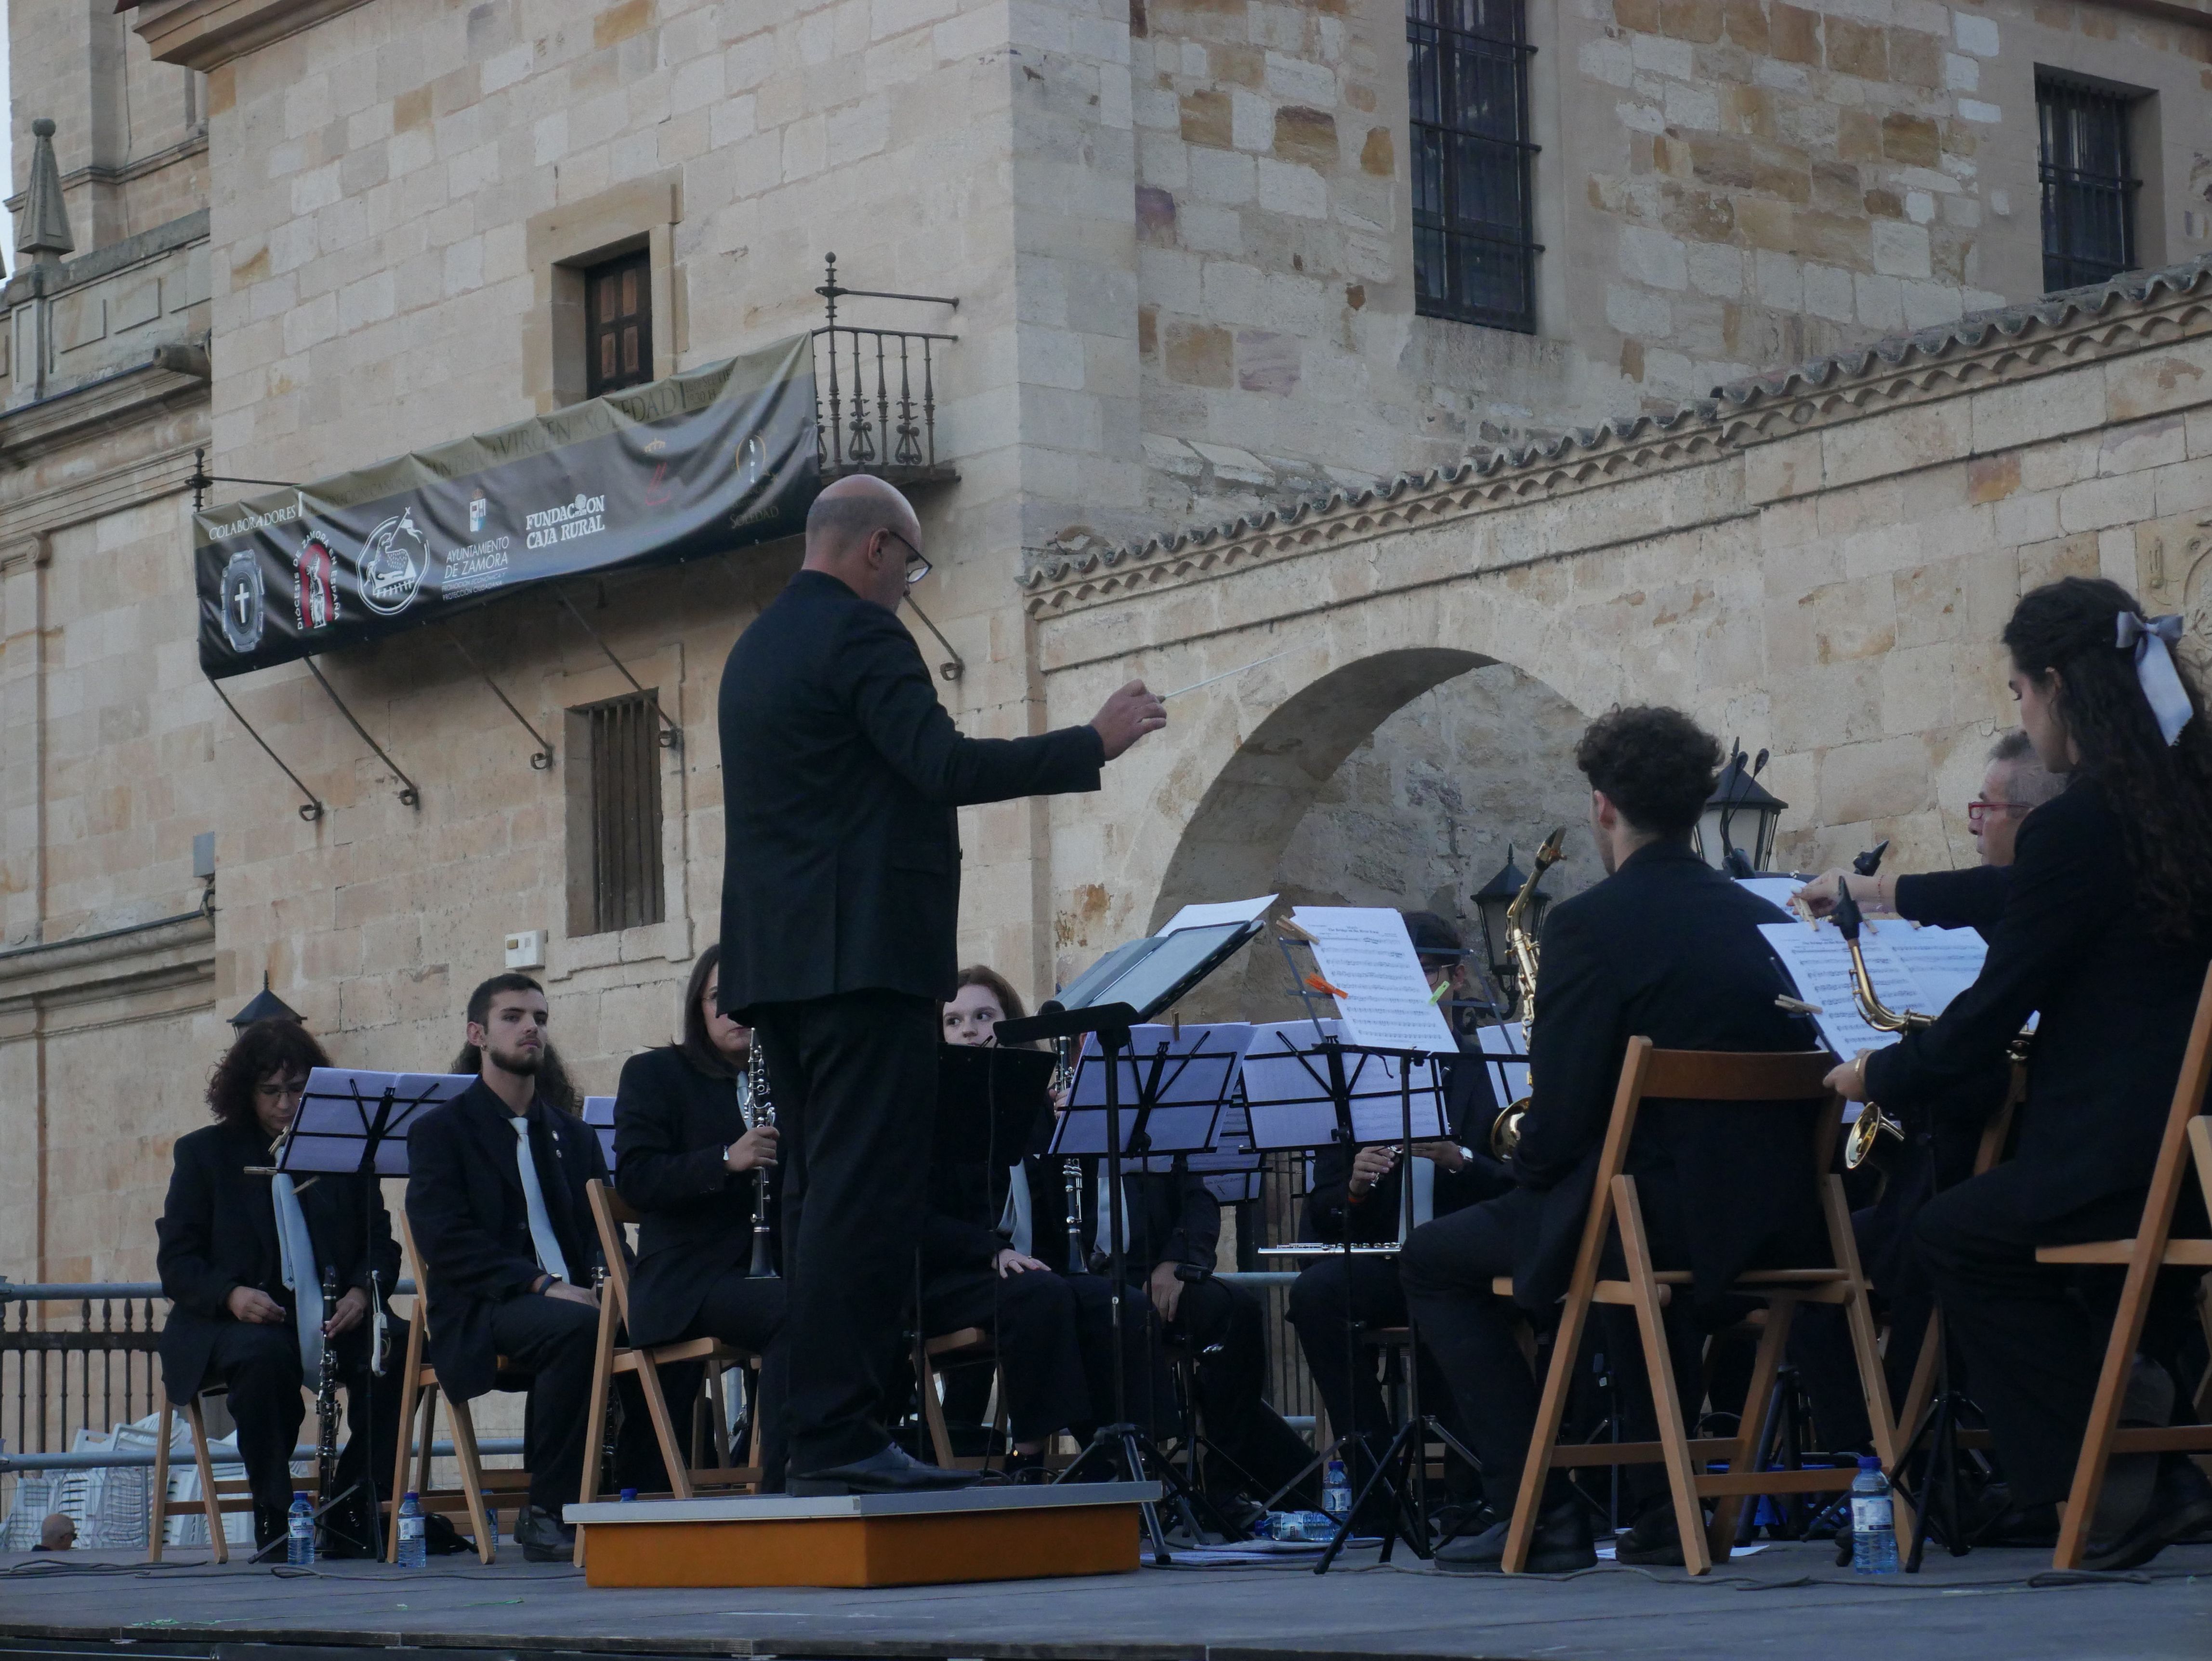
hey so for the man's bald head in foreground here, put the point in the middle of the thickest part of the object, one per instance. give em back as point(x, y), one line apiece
point(860, 531)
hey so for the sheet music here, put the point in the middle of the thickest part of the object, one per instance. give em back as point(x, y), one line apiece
point(1365, 952)
point(1286, 1092)
point(1205, 917)
point(1820, 963)
point(1191, 1074)
point(1945, 961)
point(1503, 1054)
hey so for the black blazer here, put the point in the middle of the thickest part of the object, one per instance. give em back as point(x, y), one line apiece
point(471, 1224)
point(218, 1231)
point(671, 1124)
point(1971, 899)
point(1666, 948)
point(1470, 1108)
point(839, 774)
point(2073, 942)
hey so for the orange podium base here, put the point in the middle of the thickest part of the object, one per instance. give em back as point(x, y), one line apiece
point(1022, 1533)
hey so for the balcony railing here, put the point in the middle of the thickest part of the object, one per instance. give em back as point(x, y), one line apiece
point(875, 406)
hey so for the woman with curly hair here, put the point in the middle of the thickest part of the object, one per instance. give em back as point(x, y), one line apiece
point(234, 1321)
point(2105, 935)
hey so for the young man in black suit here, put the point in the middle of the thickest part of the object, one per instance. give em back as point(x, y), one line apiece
point(496, 1202)
point(1667, 948)
point(233, 1320)
point(841, 773)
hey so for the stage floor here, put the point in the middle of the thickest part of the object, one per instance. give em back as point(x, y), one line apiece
point(1787, 1601)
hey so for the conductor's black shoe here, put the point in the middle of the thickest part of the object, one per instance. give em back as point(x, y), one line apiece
point(2180, 1505)
point(543, 1537)
point(1561, 1545)
point(893, 1470)
point(1655, 1540)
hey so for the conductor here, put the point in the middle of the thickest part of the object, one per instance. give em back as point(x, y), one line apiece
point(840, 892)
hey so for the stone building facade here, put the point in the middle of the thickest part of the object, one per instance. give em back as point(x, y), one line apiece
point(1183, 237)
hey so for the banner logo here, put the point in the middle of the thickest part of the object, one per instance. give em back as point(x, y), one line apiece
point(393, 561)
point(479, 510)
point(315, 587)
point(243, 611)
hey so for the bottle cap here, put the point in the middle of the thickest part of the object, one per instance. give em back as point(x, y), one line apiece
point(411, 1494)
point(629, 1493)
point(1869, 1462)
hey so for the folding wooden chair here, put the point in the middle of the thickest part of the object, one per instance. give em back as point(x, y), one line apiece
point(1712, 1076)
point(418, 1388)
point(230, 1495)
point(686, 1475)
point(962, 1347)
point(2187, 1140)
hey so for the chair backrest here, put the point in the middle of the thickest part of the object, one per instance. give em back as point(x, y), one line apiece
point(610, 1211)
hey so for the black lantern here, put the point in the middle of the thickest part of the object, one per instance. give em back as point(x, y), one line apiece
point(1736, 833)
point(1493, 900)
point(264, 1006)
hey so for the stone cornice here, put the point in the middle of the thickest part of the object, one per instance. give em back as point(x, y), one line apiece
point(173, 949)
point(149, 389)
point(2009, 344)
point(204, 34)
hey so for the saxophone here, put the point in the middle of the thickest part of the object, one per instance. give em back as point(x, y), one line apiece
point(1505, 1129)
point(763, 1112)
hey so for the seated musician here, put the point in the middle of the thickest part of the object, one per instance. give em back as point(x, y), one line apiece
point(496, 1202)
point(1665, 947)
point(2105, 932)
point(231, 1264)
point(689, 1142)
point(1368, 1200)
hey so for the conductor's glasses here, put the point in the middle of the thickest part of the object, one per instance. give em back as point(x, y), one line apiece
point(1977, 812)
point(916, 566)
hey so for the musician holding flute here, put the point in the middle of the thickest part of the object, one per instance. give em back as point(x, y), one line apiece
point(241, 1259)
point(695, 1148)
point(2105, 932)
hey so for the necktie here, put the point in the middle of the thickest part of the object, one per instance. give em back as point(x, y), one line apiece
point(1018, 1219)
point(296, 1258)
point(541, 1223)
point(1425, 1190)
point(1105, 1217)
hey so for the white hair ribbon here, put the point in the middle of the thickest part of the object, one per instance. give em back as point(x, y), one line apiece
point(2151, 640)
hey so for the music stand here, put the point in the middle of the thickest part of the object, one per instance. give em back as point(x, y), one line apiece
point(355, 1123)
point(599, 1114)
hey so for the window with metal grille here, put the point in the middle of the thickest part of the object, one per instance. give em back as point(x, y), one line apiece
point(1474, 219)
point(618, 324)
point(614, 815)
point(2088, 187)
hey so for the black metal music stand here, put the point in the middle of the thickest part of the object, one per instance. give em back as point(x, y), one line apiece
point(355, 1124)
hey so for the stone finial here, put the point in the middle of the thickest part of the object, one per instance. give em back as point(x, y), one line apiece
point(42, 230)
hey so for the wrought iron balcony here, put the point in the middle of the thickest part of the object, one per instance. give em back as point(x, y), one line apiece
point(875, 393)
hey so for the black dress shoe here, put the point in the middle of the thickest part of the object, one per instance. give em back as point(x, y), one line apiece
point(1561, 1545)
point(543, 1537)
point(2180, 1505)
point(893, 1470)
point(1655, 1540)
point(271, 1523)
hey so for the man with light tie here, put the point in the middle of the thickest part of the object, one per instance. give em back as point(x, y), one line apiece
point(498, 1204)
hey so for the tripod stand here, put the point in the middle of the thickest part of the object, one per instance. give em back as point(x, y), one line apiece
point(1936, 1506)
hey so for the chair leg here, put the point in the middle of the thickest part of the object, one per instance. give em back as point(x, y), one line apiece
point(157, 1501)
point(753, 1430)
point(1550, 1413)
point(933, 1413)
point(664, 1426)
point(1666, 1401)
point(465, 1451)
point(409, 1387)
point(206, 1467)
point(1751, 1431)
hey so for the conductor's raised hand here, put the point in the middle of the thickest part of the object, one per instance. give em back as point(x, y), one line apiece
point(1127, 716)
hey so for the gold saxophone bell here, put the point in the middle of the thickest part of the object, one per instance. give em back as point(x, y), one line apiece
point(1505, 1129)
point(1866, 1133)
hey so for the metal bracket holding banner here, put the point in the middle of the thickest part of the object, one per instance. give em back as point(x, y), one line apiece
point(671, 737)
point(409, 795)
point(543, 758)
point(199, 478)
point(310, 810)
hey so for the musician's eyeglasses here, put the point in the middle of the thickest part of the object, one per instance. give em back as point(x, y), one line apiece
point(1977, 812)
point(916, 566)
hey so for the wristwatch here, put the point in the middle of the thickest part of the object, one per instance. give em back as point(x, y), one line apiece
point(1466, 1154)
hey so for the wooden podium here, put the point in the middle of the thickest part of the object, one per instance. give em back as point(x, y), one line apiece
point(1009, 1533)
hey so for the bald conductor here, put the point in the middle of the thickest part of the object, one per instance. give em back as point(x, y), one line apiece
point(840, 896)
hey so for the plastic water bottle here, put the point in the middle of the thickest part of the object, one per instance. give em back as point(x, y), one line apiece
point(1874, 1527)
point(414, 1549)
point(1335, 1491)
point(1312, 1526)
point(628, 1494)
point(300, 1533)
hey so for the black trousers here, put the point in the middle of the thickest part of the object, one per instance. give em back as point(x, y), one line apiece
point(1327, 1298)
point(1148, 1395)
point(2031, 1336)
point(1033, 1317)
point(749, 1313)
point(1224, 1328)
point(855, 1078)
point(260, 1365)
point(552, 1340)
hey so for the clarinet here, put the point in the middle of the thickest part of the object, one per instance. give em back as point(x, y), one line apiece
point(326, 1401)
point(1070, 1176)
point(763, 1113)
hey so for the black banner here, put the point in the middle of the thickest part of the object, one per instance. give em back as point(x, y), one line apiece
point(701, 463)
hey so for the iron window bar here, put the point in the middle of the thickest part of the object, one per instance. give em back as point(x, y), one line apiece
point(671, 737)
point(543, 758)
point(855, 437)
point(409, 795)
point(310, 810)
point(1468, 254)
point(2089, 188)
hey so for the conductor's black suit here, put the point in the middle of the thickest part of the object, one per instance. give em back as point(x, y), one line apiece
point(1668, 949)
point(218, 1233)
point(840, 892)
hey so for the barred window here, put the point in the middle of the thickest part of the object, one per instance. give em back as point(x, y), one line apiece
point(2089, 186)
point(614, 815)
point(1475, 224)
point(618, 324)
